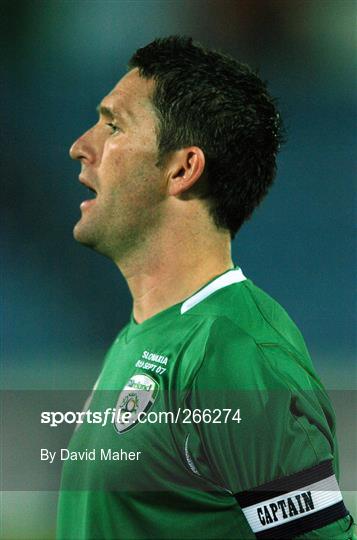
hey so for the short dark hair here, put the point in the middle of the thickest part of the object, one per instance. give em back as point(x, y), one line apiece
point(208, 99)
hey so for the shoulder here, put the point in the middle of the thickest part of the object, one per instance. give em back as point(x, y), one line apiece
point(253, 312)
point(234, 357)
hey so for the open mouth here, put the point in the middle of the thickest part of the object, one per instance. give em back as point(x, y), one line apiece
point(92, 192)
point(93, 195)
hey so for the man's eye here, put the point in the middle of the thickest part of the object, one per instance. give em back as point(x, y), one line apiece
point(113, 127)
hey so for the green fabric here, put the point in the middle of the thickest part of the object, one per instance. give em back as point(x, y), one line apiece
point(236, 349)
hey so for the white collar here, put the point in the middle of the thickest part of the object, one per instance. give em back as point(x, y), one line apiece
point(228, 278)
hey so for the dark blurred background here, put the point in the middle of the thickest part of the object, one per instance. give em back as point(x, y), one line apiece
point(65, 304)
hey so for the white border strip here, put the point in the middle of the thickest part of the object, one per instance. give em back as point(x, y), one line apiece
point(233, 276)
point(324, 493)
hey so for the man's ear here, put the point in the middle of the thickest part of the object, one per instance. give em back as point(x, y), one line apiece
point(185, 168)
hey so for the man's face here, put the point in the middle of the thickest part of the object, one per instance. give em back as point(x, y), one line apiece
point(118, 158)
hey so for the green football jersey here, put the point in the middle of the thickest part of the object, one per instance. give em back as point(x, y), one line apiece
point(217, 426)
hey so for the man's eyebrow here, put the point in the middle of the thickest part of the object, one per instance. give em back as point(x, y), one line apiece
point(108, 112)
point(105, 111)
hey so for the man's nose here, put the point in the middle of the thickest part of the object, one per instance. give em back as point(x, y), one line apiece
point(82, 148)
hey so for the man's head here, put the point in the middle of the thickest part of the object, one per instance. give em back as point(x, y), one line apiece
point(185, 124)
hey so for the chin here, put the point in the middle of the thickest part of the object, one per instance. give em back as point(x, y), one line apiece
point(84, 237)
point(77, 232)
point(81, 236)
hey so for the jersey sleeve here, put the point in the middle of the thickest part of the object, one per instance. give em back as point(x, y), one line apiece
point(266, 435)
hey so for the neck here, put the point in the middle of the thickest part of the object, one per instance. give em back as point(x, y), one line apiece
point(165, 272)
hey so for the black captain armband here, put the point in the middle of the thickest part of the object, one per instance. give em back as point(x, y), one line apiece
point(295, 504)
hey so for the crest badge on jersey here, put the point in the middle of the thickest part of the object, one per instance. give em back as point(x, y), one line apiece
point(136, 398)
